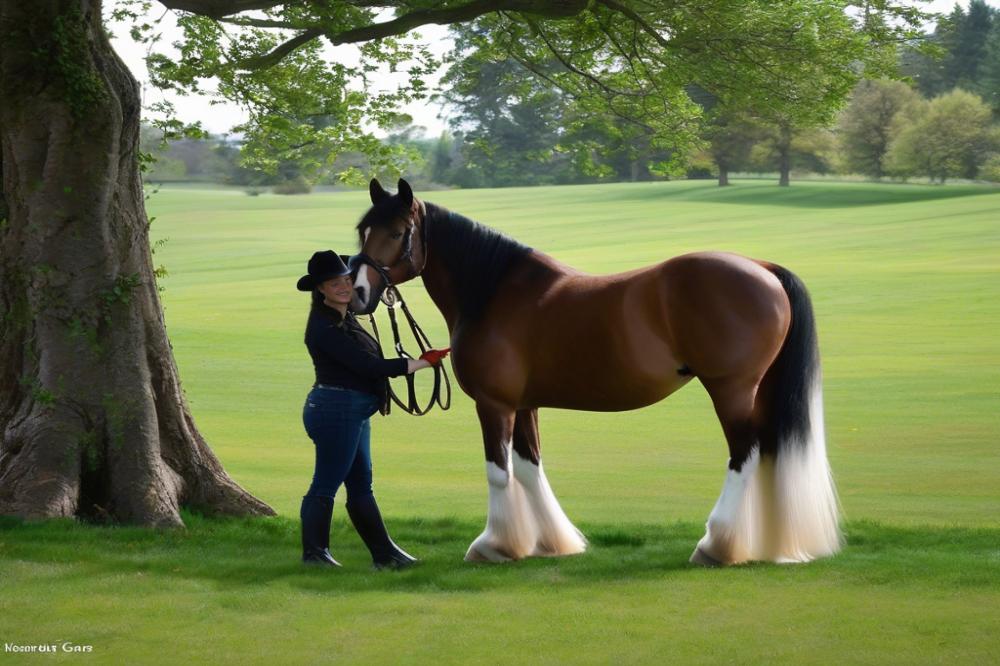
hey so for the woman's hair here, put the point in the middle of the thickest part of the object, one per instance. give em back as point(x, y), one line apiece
point(317, 303)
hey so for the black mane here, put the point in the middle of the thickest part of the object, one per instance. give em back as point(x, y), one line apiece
point(475, 256)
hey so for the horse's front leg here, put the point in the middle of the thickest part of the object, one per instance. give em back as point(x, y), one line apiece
point(510, 532)
point(556, 534)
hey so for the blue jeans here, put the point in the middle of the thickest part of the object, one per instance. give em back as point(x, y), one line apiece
point(337, 422)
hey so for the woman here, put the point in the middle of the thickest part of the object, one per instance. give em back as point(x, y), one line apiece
point(351, 385)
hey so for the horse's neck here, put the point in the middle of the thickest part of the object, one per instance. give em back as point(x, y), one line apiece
point(534, 269)
point(436, 282)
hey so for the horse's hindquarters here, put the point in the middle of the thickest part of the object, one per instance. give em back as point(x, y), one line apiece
point(779, 502)
point(727, 314)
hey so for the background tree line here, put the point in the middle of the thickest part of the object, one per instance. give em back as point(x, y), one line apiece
point(511, 127)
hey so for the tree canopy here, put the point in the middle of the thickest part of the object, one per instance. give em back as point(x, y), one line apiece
point(868, 124)
point(635, 59)
point(963, 52)
point(950, 138)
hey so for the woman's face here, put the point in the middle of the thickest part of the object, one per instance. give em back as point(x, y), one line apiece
point(338, 290)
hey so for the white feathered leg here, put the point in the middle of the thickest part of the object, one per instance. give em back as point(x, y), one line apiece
point(556, 534)
point(733, 527)
point(510, 533)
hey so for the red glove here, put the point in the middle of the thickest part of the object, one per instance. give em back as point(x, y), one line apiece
point(434, 356)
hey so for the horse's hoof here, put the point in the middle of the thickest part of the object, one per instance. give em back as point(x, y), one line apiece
point(702, 558)
point(550, 551)
point(543, 551)
point(473, 555)
point(480, 552)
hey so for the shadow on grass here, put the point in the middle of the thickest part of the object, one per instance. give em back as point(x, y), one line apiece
point(800, 195)
point(239, 553)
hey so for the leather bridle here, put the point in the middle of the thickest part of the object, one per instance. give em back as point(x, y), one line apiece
point(392, 299)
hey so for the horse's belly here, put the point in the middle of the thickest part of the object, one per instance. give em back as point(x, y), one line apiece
point(600, 399)
point(620, 360)
point(607, 388)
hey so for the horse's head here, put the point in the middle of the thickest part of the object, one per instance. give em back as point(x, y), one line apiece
point(392, 244)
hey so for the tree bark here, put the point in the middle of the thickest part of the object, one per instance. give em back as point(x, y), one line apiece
point(784, 154)
point(723, 175)
point(93, 422)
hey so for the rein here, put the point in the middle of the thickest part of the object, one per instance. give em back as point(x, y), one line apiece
point(393, 299)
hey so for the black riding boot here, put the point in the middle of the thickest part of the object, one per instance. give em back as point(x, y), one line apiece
point(367, 521)
point(315, 515)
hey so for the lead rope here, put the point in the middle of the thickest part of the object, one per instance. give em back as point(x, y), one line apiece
point(392, 299)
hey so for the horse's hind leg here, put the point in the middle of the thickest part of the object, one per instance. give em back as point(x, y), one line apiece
point(510, 532)
point(734, 529)
point(556, 534)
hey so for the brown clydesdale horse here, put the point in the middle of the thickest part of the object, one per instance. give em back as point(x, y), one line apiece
point(528, 331)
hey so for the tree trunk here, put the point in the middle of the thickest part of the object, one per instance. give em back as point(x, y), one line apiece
point(784, 155)
point(723, 175)
point(93, 422)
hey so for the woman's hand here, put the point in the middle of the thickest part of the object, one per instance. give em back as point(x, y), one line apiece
point(428, 359)
point(435, 356)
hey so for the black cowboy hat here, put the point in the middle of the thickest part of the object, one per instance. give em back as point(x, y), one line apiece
point(322, 266)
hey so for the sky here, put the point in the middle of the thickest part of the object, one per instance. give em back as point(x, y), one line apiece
point(220, 118)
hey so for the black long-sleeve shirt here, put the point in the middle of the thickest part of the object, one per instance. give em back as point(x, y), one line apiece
point(344, 354)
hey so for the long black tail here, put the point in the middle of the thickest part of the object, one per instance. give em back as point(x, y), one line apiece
point(793, 374)
point(804, 512)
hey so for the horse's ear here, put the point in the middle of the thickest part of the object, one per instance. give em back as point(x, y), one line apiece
point(376, 191)
point(404, 193)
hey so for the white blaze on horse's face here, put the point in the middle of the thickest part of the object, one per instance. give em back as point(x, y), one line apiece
point(362, 288)
point(362, 291)
point(367, 283)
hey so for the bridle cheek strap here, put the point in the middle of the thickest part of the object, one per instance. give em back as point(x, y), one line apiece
point(422, 226)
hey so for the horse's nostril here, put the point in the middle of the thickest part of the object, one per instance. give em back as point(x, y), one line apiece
point(361, 293)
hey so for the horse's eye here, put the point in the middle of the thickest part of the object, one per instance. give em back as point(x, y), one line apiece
point(397, 235)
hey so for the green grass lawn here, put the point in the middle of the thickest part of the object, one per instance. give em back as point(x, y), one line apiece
point(905, 284)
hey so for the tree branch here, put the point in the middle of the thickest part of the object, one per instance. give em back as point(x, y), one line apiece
point(219, 8)
point(576, 70)
point(531, 67)
point(464, 13)
point(261, 23)
point(638, 20)
point(397, 26)
point(370, 4)
point(275, 56)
